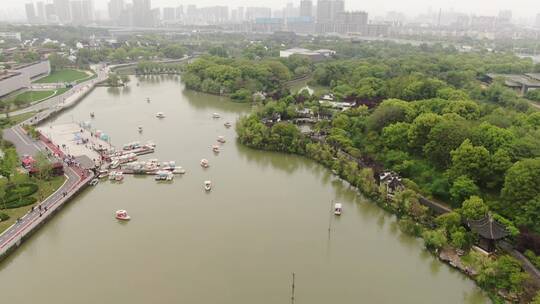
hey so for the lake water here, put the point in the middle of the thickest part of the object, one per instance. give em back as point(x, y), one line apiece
point(267, 216)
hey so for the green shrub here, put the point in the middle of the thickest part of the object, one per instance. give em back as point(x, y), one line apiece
point(20, 191)
point(4, 217)
point(25, 201)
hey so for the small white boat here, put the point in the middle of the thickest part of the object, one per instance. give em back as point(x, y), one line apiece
point(103, 173)
point(221, 139)
point(227, 124)
point(94, 182)
point(215, 148)
point(112, 175)
point(216, 115)
point(204, 163)
point(338, 209)
point(119, 176)
point(122, 215)
point(163, 175)
point(140, 129)
point(114, 164)
point(207, 185)
point(160, 115)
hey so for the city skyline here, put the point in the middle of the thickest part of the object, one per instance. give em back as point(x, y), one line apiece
point(521, 9)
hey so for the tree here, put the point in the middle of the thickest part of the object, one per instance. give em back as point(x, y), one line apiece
point(492, 137)
point(449, 221)
point(474, 208)
point(420, 129)
point(390, 111)
point(174, 51)
point(462, 188)
point(470, 161)
point(58, 62)
point(522, 182)
point(443, 138)
point(434, 239)
point(529, 215)
point(394, 136)
point(43, 165)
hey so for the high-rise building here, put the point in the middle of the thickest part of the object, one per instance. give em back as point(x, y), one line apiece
point(30, 12)
point(115, 9)
point(324, 11)
point(169, 14)
point(62, 10)
point(347, 22)
point(253, 13)
point(40, 6)
point(82, 11)
point(538, 20)
point(179, 12)
point(50, 13)
point(306, 8)
point(142, 13)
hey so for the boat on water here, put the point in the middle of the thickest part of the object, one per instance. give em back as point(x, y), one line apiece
point(215, 148)
point(147, 99)
point(160, 115)
point(179, 170)
point(227, 124)
point(221, 139)
point(204, 163)
point(94, 182)
point(338, 209)
point(119, 176)
point(103, 173)
point(216, 115)
point(131, 146)
point(207, 185)
point(92, 114)
point(140, 129)
point(112, 175)
point(114, 164)
point(122, 215)
point(163, 175)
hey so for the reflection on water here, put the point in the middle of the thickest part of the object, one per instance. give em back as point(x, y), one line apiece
point(268, 216)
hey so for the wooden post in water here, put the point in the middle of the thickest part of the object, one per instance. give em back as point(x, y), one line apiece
point(292, 288)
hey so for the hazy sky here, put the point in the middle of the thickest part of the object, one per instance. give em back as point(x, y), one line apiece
point(520, 8)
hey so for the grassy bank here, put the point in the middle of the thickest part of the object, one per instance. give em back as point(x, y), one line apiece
point(46, 188)
point(68, 75)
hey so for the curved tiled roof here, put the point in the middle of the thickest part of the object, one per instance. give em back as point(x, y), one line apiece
point(488, 228)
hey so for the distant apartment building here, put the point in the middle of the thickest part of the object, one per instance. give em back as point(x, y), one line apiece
point(327, 14)
point(40, 9)
point(116, 7)
point(20, 77)
point(169, 14)
point(62, 10)
point(82, 11)
point(142, 13)
point(31, 16)
point(351, 22)
point(306, 8)
point(253, 13)
point(538, 20)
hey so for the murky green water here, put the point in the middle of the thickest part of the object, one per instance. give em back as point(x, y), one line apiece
point(267, 217)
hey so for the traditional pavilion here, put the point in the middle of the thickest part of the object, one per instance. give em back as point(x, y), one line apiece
point(489, 230)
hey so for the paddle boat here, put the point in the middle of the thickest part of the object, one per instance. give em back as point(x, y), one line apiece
point(94, 182)
point(338, 209)
point(204, 163)
point(122, 215)
point(140, 129)
point(216, 115)
point(227, 124)
point(221, 139)
point(160, 115)
point(215, 148)
point(207, 185)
